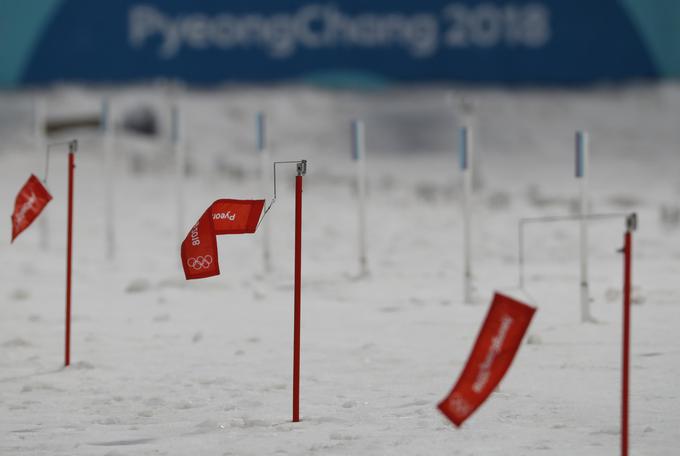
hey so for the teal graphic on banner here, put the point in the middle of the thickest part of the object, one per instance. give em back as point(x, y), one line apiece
point(212, 41)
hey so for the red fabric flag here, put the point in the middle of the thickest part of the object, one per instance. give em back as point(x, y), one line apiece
point(31, 200)
point(494, 350)
point(224, 216)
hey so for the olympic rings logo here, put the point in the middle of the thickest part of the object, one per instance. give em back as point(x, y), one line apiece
point(200, 262)
point(459, 405)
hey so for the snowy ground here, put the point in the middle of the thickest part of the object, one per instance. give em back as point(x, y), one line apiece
point(162, 366)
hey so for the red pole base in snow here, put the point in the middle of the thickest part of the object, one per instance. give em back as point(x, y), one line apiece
point(69, 251)
point(625, 365)
point(298, 268)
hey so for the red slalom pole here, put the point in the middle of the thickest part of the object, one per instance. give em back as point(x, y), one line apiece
point(631, 224)
point(73, 145)
point(301, 169)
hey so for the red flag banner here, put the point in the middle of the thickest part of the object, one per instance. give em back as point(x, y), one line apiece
point(493, 352)
point(29, 203)
point(224, 216)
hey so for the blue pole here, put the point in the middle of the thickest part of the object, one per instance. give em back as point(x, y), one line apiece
point(465, 166)
point(265, 164)
point(582, 159)
point(463, 149)
point(356, 147)
point(260, 125)
point(580, 152)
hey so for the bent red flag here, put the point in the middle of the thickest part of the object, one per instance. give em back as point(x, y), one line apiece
point(224, 216)
point(29, 203)
point(492, 354)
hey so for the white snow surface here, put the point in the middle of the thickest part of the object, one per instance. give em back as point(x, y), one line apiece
point(162, 366)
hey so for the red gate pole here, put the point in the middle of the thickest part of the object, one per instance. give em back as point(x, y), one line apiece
point(301, 170)
point(73, 146)
point(631, 225)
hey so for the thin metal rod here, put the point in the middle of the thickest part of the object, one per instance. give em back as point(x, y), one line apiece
point(561, 218)
point(265, 159)
point(520, 256)
point(549, 219)
point(49, 148)
point(631, 225)
point(72, 149)
point(466, 151)
point(47, 165)
point(260, 131)
point(302, 170)
point(38, 121)
point(297, 298)
point(180, 159)
point(282, 163)
point(582, 171)
point(69, 255)
point(625, 369)
point(359, 155)
point(40, 144)
point(110, 180)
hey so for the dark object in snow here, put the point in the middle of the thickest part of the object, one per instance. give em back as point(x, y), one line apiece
point(54, 126)
point(141, 120)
